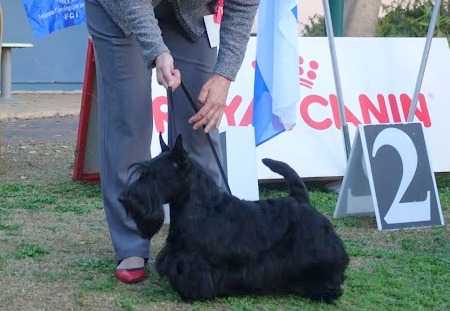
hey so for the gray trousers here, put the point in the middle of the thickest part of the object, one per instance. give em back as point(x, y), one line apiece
point(125, 113)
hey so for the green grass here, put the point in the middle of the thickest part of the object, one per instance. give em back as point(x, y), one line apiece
point(96, 273)
point(30, 251)
point(61, 198)
point(94, 265)
point(10, 229)
point(399, 270)
point(126, 303)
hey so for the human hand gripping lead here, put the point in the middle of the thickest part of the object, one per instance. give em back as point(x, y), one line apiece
point(212, 98)
point(166, 73)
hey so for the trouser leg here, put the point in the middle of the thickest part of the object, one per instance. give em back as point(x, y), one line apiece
point(125, 120)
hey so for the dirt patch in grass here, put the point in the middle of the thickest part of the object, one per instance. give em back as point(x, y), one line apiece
point(38, 150)
point(37, 162)
point(27, 294)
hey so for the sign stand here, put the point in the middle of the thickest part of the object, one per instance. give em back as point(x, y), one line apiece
point(389, 174)
point(423, 64)
point(86, 166)
point(389, 171)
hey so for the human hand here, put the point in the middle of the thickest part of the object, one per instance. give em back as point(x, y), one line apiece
point(213, 98)
point(166, 73)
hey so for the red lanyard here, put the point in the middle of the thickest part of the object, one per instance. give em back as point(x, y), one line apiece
point(219, 11)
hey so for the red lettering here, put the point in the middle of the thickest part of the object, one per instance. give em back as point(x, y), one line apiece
point(394, 108)
point(247, 119)
point(350, 117)
point(230, 110)
point(421, 112)
point(304, 112)
point(160, 117)
point(368, 109)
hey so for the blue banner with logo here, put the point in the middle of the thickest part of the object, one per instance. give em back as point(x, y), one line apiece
point(48, 16)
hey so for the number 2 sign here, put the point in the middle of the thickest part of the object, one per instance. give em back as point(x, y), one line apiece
point(390, 174)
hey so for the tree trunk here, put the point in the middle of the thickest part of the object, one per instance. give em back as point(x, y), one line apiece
point(361, 17)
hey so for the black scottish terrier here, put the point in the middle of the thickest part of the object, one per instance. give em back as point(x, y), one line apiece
point(219, 245)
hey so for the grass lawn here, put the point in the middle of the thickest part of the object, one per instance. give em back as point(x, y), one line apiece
point(55, 254)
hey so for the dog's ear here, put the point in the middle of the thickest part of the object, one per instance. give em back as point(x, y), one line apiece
point(178, 150)
point(178, 147)
point(163, 145)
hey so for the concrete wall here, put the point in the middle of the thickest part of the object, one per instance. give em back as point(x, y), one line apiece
point(55, 63)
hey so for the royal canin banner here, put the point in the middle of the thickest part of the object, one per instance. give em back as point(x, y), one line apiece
point(378, 77)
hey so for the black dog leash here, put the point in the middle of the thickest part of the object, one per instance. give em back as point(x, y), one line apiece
point(208, 137)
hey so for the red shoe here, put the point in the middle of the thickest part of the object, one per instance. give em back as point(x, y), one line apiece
point(131, 276)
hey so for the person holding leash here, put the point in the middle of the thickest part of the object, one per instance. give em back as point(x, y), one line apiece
point(178, 38)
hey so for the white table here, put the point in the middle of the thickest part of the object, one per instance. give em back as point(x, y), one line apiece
point(6, 65)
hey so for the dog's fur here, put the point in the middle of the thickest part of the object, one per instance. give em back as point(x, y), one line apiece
point(219, 245)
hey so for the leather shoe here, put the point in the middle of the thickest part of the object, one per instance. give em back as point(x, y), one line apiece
point(130, 276)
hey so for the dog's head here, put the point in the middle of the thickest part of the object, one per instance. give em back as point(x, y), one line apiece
point(155, 182)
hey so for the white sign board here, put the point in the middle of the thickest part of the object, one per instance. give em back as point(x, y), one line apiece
point(378, 76)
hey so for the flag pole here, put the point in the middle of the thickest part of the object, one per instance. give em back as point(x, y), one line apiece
point(2, 146)
point(423, 65)
point(337, 76)
point(1, 30)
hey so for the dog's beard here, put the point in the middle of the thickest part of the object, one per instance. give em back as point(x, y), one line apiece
point(145, 206)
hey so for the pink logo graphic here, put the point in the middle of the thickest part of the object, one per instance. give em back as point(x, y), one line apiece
point(308, 72)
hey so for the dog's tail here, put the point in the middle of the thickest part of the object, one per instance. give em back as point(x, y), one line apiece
point(297, 188)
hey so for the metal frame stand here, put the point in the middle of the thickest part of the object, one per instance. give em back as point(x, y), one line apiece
point(337, 76)
point(423, 64)
point(1, 31)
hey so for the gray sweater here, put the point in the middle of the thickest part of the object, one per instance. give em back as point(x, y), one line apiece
point(137, 17)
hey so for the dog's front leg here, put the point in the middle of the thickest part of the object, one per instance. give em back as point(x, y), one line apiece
point(191, 276)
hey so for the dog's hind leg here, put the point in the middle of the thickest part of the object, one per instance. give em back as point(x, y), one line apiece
point(190, 275)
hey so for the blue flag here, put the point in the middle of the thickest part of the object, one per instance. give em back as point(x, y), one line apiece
point(47, 16)
point(276, 91)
